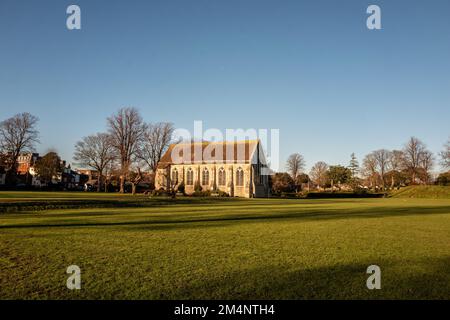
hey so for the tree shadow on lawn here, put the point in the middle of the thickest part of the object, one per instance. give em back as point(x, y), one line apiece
point(33, 205)
point(177, 210)
point(399, 280)
point(214, 220)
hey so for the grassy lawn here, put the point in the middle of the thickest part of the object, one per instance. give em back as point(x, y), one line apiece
point(435, 192)
point(224, 248)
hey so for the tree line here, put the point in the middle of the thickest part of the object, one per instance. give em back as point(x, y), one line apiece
point(381, 169)
point(130, 145)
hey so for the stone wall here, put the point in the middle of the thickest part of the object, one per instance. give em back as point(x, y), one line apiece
point(165, 176)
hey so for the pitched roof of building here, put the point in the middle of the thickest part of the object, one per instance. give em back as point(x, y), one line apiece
point(209, 152)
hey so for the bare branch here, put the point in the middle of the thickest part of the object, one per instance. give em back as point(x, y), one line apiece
point(17, 135)
point(295, 165)
point(157, 139)
point(445, 155)
point(318, 173)
point(126, 129)
point(95, 151)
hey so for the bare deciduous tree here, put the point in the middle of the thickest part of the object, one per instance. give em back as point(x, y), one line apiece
point(396, 163)
point(413, 153)
point(95, 151)
point(445, 155)
point(318, 173)
point(135, 178)
point(127, 129)
point(18, 134)
point(110, 172)
point(295, 165)
point(156, 140)
point(426, 164)
point(370, 169)
point(382, 158)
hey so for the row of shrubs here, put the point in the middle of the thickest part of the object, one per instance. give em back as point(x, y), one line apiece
point(294, 195)
point(318, 195)
point(199, 193)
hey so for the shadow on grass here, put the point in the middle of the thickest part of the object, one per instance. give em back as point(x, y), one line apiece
point(399, 280)
point(137, 202)
point(34, 205)
point(408, 279)
point(201, 220)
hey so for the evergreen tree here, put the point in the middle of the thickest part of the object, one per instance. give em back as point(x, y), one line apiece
point(354, 165)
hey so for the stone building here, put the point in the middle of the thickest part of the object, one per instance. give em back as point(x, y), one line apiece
point(237, 168)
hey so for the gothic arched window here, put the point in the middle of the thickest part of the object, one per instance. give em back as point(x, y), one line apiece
point(240, 177)
point(222, 177)
point(175, 176)
point(205, 177)
point(190, 177)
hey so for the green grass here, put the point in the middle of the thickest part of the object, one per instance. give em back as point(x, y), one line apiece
point(226, 248)
point(429, 192)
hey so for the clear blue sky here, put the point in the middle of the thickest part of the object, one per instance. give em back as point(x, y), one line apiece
point(310, 68)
